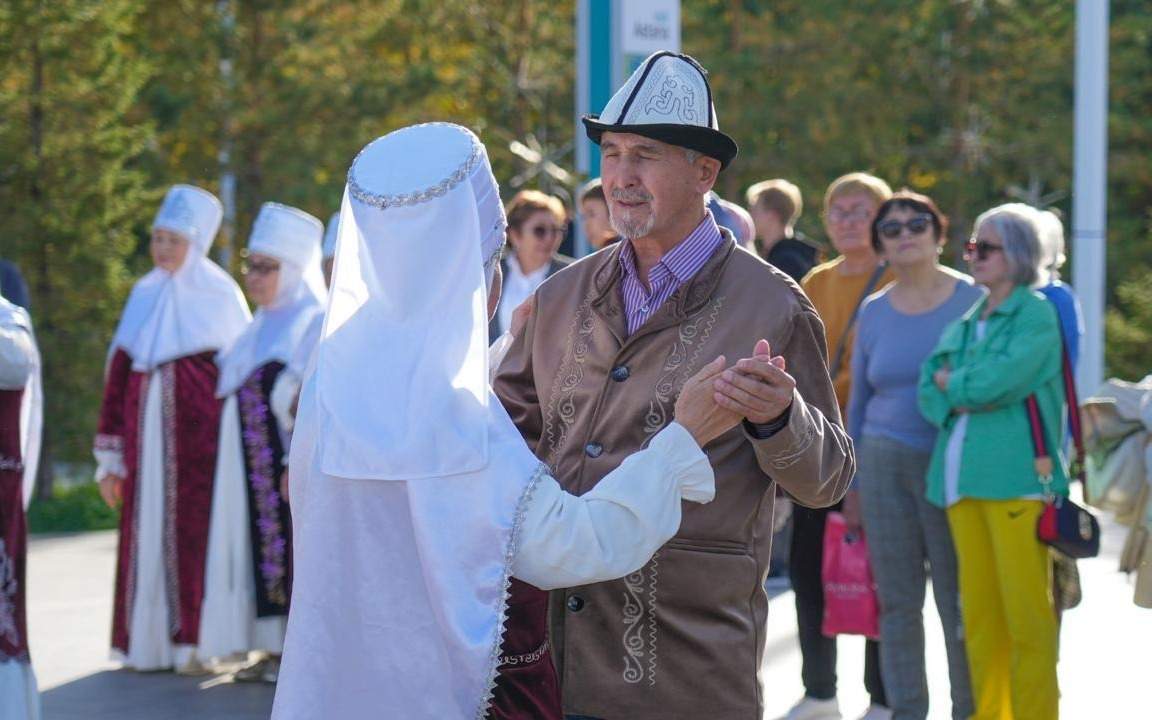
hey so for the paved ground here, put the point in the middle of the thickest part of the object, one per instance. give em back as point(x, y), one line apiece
point(1107, 643)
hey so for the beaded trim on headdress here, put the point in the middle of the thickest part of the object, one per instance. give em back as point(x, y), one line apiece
point(383, 202)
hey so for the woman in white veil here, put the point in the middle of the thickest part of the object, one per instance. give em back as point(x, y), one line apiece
point(156, 443)
point(248, 576)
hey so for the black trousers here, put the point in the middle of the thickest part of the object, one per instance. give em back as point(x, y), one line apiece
point(819, 652)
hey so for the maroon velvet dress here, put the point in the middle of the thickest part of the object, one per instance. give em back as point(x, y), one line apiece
point(526, 687)
point(13, 533)
point(191, 420)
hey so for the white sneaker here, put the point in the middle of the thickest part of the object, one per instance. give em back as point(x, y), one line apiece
point(876, 712)
point(810, 708)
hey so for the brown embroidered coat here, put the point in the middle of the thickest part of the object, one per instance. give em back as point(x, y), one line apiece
point(684, 636)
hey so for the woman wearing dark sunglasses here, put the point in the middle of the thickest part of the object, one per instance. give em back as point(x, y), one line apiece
point(897, 329)
point(984, 470)
point(536, 226)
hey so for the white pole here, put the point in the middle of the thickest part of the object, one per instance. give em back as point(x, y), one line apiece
point(1089, 199)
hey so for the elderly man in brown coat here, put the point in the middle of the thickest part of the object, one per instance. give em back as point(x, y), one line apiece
point(596, 373)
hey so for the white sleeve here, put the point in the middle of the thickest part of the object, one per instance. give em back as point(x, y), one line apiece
point(616, 527)
point(284, 392)
point(17, 357)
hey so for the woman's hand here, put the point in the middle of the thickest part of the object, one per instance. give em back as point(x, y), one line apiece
point(521, 315)
point(696, 408)
point(112, 490)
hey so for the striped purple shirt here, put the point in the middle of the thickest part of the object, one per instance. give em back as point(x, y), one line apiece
point(674, 269)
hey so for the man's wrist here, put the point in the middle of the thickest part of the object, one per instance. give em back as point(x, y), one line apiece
point(763, 431)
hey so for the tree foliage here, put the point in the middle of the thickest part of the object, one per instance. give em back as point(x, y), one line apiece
point(107, 102)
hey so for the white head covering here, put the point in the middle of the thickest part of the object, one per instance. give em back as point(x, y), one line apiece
point(195, 309)
point(14, 317)
point(409, 468)
point(330, 233)
point(293, 237)
point(409, 289)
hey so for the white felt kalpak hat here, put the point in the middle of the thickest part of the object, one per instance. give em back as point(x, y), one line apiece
point(286, 233)
point(668, 99)
point(193, 212)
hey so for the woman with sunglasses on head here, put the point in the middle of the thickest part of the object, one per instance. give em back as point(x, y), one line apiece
point(156, 442)
point(248, 576)
point(896, 330)
point(974, 387)
point(536, 226)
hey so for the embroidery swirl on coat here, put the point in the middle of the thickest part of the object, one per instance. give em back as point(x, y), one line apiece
point(634, 627)
point(8, 589)
point(561, 413)
point(263, 481)
point(171, 566)
point(641, 626)
point(683, 360)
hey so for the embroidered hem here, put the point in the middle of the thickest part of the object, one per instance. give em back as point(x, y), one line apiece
point(495, 658)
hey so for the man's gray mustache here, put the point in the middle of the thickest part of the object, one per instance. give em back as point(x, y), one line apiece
point(625, 196)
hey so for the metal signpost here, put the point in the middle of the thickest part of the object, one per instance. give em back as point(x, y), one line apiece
point(612, 38)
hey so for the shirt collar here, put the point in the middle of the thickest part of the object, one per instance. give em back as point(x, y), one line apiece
point(684, 260)
point(514, 268)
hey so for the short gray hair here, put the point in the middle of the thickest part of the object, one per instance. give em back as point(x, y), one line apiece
point(1052, 244)
point(692, 155)
point(1017, 225)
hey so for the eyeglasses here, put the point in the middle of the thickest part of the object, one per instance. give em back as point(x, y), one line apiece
point(980, 249)
point(540, 232)
point(837, 215)
point(259, 268)
point(891, 229)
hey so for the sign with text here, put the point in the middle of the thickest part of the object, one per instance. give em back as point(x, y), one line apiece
point(648, 26)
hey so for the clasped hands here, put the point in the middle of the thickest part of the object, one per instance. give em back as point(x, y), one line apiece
point(715, 399)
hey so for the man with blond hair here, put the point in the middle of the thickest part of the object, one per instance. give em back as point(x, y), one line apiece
point(775, 206)
point(836, 288)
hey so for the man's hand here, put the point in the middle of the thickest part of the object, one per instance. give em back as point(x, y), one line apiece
point(112, 490)
point(941, 378)
point(521, 314)
point(696, 407)
point(756, 388)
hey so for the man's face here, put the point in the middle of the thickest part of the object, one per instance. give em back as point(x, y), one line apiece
point(769, 226)
point(650, 185)
point(597, 224)
point(848, 220)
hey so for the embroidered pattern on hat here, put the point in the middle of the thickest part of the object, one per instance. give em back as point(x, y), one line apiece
point(675, 98)
point(177, 214)
point(440, 189)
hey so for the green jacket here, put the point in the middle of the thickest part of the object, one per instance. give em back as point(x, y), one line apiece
point(991, 378)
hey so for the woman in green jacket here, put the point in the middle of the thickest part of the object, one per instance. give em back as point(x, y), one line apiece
point(974, 387)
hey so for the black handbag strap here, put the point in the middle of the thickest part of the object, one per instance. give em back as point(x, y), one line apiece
point(838, 360)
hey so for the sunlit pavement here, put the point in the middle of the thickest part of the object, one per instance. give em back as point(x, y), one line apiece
point(1104, 669)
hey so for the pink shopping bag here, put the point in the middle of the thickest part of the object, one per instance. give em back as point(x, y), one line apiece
point(850, 604)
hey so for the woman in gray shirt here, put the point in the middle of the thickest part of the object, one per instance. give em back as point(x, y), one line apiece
point(897, 329)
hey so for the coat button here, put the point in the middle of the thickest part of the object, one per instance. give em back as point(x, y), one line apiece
point(620, 373)
point(575, 603)
point(594, 450)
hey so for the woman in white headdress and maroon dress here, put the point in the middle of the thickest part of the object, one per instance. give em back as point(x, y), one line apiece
point(20, 408)
point(248, 576)
point(156, 443)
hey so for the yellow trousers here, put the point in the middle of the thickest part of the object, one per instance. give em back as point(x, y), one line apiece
point(1010, 624)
